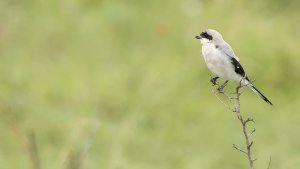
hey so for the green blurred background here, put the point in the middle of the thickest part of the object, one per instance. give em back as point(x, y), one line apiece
point(122, 84)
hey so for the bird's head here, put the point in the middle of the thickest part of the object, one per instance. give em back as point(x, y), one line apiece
point(209, 35)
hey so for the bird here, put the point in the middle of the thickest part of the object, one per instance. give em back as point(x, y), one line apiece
point(222, 61)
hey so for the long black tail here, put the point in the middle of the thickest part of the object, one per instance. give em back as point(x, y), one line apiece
point(259, 93)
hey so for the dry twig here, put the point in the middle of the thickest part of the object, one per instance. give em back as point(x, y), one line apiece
point(33, 151)
point(269, 164)
point(236, 107)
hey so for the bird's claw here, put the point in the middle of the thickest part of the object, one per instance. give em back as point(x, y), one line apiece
point(213, 80)
point(220, 89)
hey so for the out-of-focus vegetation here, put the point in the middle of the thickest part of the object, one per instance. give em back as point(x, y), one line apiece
point(122, 84)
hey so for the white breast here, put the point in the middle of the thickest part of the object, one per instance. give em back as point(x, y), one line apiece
point(219, 63)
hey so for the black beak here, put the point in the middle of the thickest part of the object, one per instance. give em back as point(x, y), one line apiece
point(198, 37)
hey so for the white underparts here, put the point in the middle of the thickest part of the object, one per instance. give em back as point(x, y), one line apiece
point(218, 62)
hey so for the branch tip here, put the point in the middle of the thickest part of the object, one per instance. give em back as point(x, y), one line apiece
point(250, 145)
point(269, 164)
point(239, 149)
point(249, 120)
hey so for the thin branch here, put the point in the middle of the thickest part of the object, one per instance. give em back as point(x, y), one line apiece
point(244, 121)
point(269, 164)
point(249, 120)
point(226, 105)
point(33, 151)
point(252, 132)
point(239, 149)
point(251, 143)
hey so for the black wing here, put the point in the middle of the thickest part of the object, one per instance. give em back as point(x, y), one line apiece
point(226, 49)
point(237, 67)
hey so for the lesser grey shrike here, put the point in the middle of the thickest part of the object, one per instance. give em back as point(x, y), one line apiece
point(222, 61)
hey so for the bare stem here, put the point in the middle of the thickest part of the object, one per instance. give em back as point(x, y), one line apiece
point(236, 104)
point(269, 164)
point(33, 151)
point(244, 122)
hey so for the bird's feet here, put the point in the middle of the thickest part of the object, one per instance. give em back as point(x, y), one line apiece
point(220, 88)
point(213, 80)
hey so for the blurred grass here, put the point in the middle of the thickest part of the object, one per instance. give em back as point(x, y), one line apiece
point(132, 72)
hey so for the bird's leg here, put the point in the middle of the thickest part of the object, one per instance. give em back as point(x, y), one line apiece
point(213, 80)
point(220, 89)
